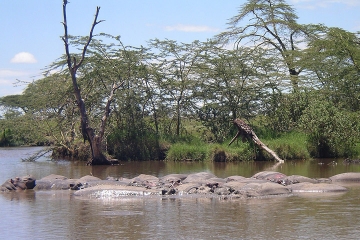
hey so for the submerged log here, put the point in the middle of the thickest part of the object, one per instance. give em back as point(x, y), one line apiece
point(246, 132)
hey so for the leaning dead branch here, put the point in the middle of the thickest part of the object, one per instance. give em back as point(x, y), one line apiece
point(247, 134)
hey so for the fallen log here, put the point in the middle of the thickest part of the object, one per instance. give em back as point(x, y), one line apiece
point(246, 132)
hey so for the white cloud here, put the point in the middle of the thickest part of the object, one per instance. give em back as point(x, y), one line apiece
point(190, 28)
point(23, 57)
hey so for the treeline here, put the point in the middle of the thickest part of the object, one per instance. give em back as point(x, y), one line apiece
point(283, 77)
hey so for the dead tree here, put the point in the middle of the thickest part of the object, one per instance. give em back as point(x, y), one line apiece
point(247, 134)
point(95, 139)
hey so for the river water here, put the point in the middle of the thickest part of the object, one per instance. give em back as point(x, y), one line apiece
point(59, 215)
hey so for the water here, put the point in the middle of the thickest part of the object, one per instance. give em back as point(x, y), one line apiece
point(58, 215)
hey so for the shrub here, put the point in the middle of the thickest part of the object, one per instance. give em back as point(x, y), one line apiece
point(130, 144)
point(332, 132)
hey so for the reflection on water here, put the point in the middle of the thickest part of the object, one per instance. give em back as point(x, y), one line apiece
point(59, 215)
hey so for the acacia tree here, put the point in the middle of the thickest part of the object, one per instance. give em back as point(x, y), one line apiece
point(45, 108)
point(231, 87)
point(95, 138)
point(335, 60)
point(133, 136)
point(176, 64)
point(52, 107)
point(272, 25)
point(18, 123)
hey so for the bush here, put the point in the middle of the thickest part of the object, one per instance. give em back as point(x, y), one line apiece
point(6, 138)
point(128, 144)
point(332, 132)
point(286, 110)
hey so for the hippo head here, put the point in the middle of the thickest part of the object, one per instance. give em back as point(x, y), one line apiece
point(26, 182)
point(29, 181)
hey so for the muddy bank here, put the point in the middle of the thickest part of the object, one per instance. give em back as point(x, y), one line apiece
point(203, 184)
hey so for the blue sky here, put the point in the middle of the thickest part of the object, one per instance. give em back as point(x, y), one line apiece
point(30, 30)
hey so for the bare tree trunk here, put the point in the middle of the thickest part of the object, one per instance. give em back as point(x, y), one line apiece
point(246, 132)
point(98, 158)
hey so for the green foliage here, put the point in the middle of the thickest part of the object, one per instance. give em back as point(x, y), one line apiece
point(6, 138)
point(286, 110)
point(22, 130)
point(272, 25)
point(224, 153)
point(331, 131)
point(232, 87)
point(335, 58)
point(218, 122)
point(291, 145)
point(356, 150)
point(129, 143)
point(77, 151)
point(187, 152)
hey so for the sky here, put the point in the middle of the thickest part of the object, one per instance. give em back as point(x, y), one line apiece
point(30, 31)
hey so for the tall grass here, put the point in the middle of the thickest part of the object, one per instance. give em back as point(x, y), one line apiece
point(292, 145)
point(188, 152)
point(223, 152)
point(200, 151)
point(288, 146)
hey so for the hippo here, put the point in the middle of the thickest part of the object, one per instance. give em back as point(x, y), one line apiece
point(346, 177)
point(52, 181)
point(18, 183)
point(282, 179)
point(293, 179)
point(234, 178)
point(147, 181)
point(170, 178)
point(198, 177)
point(272, 177)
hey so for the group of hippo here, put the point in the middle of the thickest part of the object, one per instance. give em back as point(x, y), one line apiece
point(262, 184)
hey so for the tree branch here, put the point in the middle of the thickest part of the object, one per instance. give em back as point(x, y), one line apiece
point(65, 38)
point(90, 36)
point(246, 132)
point(107, 109)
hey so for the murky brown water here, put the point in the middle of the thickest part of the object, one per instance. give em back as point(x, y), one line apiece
point(58, 215)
